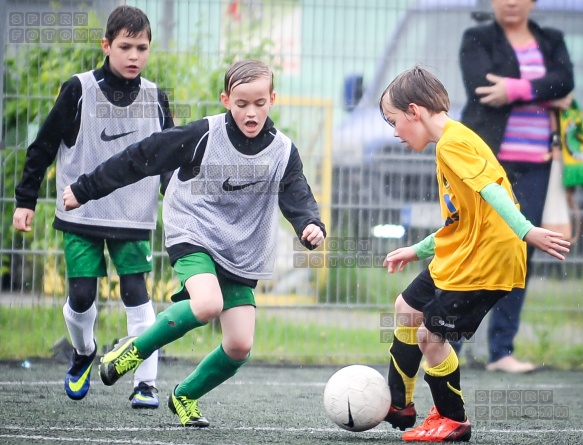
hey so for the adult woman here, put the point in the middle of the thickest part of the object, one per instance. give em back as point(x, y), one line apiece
point(515, 73)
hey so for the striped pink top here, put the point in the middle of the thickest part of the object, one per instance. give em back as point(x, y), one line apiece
point(527, 134)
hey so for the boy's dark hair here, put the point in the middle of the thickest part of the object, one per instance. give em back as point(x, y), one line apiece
point(132, 19)
point(246, 71)
point(417, 86)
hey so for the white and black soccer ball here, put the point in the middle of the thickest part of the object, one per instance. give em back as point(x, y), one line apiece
point(357, 398)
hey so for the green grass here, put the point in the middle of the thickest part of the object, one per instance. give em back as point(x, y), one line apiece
point(317, 344)
point(31, 332)
point(364, 285)
point(552, 312)
point(286, 336)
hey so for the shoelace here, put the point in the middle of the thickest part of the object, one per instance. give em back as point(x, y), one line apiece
point(430, 421)
point(79, 362)
point(144, 389)
point(432, 418)
point(188, 406)
point(182, 409)
point(127, 361)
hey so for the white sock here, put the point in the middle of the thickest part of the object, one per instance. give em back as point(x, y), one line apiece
point(80, 326)
point(140, 318)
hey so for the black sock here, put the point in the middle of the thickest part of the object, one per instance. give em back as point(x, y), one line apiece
point(446, 388)
point(403, 367)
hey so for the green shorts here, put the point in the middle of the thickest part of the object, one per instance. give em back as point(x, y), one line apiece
point(234, 294)
point(84, 256)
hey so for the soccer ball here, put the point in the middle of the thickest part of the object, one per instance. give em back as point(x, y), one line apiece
point(357, 398)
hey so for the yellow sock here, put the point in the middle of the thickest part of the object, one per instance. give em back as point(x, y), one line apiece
point(446, 367)
point(406, 334)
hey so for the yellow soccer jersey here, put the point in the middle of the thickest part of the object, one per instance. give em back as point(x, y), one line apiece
point(475, 249)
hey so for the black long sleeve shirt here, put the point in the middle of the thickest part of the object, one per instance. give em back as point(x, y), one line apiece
point(62, 124)
point(184, 150)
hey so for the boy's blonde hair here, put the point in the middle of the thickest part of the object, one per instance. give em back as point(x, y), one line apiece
point(417, 86)
point(246, 71)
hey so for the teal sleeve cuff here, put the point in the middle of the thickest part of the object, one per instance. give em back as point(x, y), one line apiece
point(425, 248)
point(495, 195)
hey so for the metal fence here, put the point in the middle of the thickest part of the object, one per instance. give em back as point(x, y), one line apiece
point(332, 59)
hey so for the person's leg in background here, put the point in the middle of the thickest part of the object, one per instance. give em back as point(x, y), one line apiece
point(140, 316)
point(85, 263)
point(457, 346)
point(132, 260)
point(530, 183)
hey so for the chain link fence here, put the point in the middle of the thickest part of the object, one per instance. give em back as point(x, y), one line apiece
point(332, 60)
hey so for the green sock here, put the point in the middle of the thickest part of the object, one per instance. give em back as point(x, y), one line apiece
point(170, 325)
point(215, 368)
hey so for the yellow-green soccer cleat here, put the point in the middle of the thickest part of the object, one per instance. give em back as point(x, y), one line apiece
point(188, 411)
point(124, 357)
point(78, 376)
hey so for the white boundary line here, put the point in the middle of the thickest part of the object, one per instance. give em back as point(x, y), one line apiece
point(84, 440)
point(388, 430)
point(234, 382)
point(468, 387)
point(134, 441)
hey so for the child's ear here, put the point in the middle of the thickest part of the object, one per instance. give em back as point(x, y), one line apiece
point(272, 97)
point(105, 46)
point(225, 101)
point(414, 110)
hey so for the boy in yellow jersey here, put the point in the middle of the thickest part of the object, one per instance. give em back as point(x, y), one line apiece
point(479, 255)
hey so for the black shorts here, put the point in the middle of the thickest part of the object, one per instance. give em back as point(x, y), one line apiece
point(451, 314)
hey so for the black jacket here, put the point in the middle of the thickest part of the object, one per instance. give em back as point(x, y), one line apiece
point(184, 148)
point(62, 124)
point(485, 49)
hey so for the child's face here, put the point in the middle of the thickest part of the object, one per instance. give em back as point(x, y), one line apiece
point(250, 104)
point(406, 125)
point(127, 55)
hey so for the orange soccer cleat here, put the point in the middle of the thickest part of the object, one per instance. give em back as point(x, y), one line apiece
point(437, 428)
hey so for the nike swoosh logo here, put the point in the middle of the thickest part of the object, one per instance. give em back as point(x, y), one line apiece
point(76, 386)
point(113, 137)
point(148, 258)
point(350, 423)
point(228, 187)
